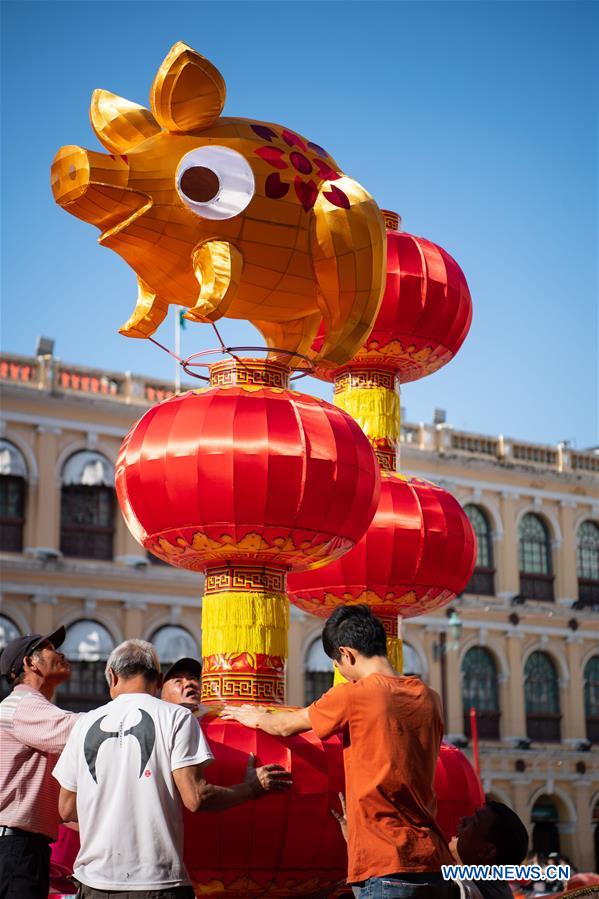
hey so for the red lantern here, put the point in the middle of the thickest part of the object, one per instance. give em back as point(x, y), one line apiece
point(282, 845)
point(459, 791)
point(417, 555)
point(247, 471)
point(425, 314)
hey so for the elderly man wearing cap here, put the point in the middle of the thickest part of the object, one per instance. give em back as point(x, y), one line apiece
point(33, 733)
point(181, 686)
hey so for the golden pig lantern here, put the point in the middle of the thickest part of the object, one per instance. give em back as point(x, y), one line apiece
point(227, 216)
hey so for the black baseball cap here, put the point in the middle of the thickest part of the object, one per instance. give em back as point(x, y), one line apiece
point(11, 660)
point(191, 665)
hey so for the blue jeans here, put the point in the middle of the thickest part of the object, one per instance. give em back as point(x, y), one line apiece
point(409, 886)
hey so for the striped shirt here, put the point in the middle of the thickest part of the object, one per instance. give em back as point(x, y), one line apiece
point(33, 732)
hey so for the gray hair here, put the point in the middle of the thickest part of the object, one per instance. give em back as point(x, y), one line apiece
point(134, 657)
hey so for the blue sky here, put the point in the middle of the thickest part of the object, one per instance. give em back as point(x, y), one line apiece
point(476, 121)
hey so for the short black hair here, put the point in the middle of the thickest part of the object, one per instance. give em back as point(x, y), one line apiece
point(508, 834)
point(356, 627)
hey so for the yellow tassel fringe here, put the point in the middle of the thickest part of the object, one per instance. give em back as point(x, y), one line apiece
point(394, 654)
point(242, 621)
point(376, 409)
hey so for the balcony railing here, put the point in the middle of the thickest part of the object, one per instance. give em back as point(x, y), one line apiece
point(487, 723)
point(588, 592)
point(47, 373)
point(482, 582)
point(593, 729)
point(537, 586)
point(544, 728)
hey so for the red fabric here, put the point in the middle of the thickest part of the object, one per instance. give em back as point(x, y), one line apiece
point(417, 555)
point(281, 845)
point(263, 474)
point(425, 314)
point(459, 791)
point(290, 839)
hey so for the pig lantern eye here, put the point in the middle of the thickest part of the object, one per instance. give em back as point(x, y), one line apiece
point(215, 182)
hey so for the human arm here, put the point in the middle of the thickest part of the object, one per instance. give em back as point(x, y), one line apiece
point(279, 724)
point(341, 817)
point(198, 795)
point(41, 725)
point(67, 805)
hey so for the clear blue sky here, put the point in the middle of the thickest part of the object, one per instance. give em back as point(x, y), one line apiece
point(477, 121)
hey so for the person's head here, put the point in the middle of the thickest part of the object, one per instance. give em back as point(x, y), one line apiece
point(34, 660)
point(493, 835)
point(351, 636)
point(133, 667)
point(181, 683)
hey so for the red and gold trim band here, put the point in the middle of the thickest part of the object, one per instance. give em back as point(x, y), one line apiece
point(371, 397)
point(249, 373)
point(245, 622)
point(244, 677)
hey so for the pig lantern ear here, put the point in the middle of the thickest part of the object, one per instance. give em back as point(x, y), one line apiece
point(120, 124)
point(188, 92)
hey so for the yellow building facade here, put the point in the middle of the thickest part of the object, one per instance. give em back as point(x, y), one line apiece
point(521, 645)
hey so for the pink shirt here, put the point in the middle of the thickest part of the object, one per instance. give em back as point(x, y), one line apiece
point(33, 732)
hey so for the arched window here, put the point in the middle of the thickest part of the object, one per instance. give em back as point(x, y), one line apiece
point(173, 643)
point(587, 557)
point(13, 487)
point(411, 661)
point(480, 691)
point(541, 692)
point(318, 672)
point(534, 552)
point(87, 646)
point(591, 698)
point(87, 507)
point(545, 821)
point(8, 631)
point(483, 576)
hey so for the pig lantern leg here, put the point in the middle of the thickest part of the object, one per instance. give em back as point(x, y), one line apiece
point(348, 241)
point(296, 335)
point(217, 265)
point(149, 312)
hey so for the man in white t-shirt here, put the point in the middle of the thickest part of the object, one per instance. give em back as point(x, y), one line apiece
point(125, 772)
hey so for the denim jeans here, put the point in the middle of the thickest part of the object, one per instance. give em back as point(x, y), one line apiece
point(409, 886)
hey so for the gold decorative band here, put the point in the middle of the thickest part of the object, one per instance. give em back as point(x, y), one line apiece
point(249, 372)
point(250, 687)
point(387, 458)
point(365, 378)
point(244, 578)
point(392, 220)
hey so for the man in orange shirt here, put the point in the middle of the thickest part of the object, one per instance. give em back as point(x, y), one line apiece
point(392, 728)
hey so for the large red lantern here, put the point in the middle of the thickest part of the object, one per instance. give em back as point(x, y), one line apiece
point(282, 845)
point(417, 555)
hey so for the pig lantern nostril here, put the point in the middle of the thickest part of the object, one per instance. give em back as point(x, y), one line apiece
point(72, 172)
point(200, 184)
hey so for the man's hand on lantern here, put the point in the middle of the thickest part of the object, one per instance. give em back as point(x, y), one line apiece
point(271, 721)
point(341, 818)
point(267, 778)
